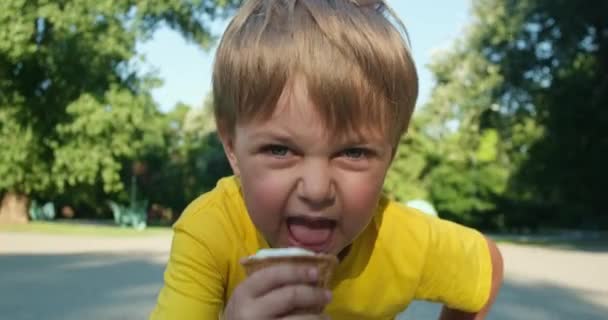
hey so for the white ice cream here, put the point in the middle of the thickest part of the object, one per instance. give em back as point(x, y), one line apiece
point(282, 252)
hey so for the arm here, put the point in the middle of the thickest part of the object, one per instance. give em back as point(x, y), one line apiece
point(497, 275)
point(193, 285)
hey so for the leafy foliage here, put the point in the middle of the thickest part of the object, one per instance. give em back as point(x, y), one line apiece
point(517, 118)
point(192, 162)
point(74, 108)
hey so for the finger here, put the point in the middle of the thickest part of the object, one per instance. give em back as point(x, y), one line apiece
point(286, 300)
point(307, 317)
point(267, 279)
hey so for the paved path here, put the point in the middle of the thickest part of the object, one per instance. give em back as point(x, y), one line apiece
point(73, 278)
point(545, 284)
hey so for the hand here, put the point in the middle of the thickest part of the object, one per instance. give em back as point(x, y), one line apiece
point(278, 292)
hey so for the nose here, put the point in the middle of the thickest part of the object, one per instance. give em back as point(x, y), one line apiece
point(316, 186)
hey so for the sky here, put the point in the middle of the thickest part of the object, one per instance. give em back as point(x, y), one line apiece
point(186, 69)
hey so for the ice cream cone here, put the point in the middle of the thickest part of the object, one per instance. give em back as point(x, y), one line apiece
point(324, 262)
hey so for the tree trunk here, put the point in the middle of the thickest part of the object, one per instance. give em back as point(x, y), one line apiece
point(14, 208)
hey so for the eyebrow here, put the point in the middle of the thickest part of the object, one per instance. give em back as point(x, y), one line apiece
point(348, 140)
point(263, 133)
point(281, 137)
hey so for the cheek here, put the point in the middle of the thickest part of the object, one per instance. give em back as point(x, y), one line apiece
point(265, 197)
point(361, 198)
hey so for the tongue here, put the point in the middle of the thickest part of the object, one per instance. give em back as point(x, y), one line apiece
point(309, 236)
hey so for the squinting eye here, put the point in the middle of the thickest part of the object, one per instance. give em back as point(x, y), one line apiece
point(276, 150)
point(354, 153)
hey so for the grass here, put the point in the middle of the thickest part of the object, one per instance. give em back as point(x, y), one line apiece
point(83, 229)
point(594, 243)
point(105, 229)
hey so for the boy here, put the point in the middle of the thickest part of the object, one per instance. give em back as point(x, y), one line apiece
point(311, 98)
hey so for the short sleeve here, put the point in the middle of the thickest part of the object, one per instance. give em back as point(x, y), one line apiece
point(457, 269)
point(193, 287)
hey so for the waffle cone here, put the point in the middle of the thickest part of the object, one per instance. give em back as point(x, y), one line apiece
point(325, 263)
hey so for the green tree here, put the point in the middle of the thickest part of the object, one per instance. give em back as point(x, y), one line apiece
point(192, 162)
point(518, 116)
point(406, 178)
point(553, 56)
point(73, 106)
point(464, 172)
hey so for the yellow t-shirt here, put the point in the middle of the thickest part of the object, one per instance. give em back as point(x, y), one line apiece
point(401, 255)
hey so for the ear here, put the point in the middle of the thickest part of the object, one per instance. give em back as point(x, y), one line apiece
point(228, 144)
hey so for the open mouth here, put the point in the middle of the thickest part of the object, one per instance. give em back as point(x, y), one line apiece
point(311, 233)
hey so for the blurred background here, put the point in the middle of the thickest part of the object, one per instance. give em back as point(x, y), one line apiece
point(106, 134)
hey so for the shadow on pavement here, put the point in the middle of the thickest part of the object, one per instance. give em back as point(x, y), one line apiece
point(113, 287)
point(79, 286)
point(546, 301)
point(533, 301)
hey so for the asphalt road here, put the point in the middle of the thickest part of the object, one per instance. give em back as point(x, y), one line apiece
point(74, 278)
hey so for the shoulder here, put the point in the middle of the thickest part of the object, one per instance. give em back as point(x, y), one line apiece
point(397, 221)
point(402, 236)
point(401, 220)
point(392, 249)
point(214, 215)
point(409, 233)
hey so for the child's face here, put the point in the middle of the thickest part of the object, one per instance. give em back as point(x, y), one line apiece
point(301, 187)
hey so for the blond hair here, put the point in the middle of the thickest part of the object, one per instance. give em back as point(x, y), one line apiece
point(354, 57)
